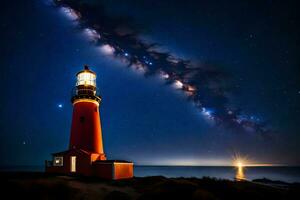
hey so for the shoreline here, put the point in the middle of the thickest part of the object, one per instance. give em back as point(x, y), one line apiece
point(288, 174)
point(40, 185)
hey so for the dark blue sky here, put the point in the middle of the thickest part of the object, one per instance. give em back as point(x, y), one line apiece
point(143, 119)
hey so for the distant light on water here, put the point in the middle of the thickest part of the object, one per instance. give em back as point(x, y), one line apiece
point(239, 162)
point(240, 175)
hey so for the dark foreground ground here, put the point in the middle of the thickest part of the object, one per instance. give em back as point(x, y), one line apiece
point(26, 185)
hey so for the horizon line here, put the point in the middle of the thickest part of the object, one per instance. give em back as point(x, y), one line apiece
point(172, 165)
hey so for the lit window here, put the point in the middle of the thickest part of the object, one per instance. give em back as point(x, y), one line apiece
point(58, 161)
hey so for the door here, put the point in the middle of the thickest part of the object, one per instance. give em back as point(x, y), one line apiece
point(73, 163)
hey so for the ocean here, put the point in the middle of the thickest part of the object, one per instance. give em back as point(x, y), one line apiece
point(286, 174)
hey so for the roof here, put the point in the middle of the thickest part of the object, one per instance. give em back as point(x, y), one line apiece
point(112, 161)
point(86, 69)
point(72, 150)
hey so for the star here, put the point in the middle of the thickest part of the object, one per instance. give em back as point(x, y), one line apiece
point(59, 105)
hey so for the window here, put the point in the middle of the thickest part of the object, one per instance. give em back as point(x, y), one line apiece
point(58, 161)
point(73, 163)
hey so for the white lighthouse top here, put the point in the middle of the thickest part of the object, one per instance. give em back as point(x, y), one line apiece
point(86, 77)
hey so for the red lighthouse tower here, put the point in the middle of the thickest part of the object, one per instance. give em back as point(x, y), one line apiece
point(85, 155)
point(86, 130)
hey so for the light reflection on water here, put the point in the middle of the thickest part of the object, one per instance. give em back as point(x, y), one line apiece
point(240, 175)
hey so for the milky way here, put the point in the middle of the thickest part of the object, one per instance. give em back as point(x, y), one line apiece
point(204, 84)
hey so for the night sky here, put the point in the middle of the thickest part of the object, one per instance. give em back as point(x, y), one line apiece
point(146, 119)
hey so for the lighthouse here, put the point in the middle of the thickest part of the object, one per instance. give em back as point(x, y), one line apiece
point(86, 130)
point(85, 154)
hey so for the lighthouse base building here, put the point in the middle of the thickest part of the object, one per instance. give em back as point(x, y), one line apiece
point(83, 163)
point(85, 155)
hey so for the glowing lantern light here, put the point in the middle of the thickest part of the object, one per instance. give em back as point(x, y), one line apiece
point(86, 77)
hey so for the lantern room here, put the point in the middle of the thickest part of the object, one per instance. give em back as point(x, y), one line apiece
point(86, 77)
point(85, 86)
